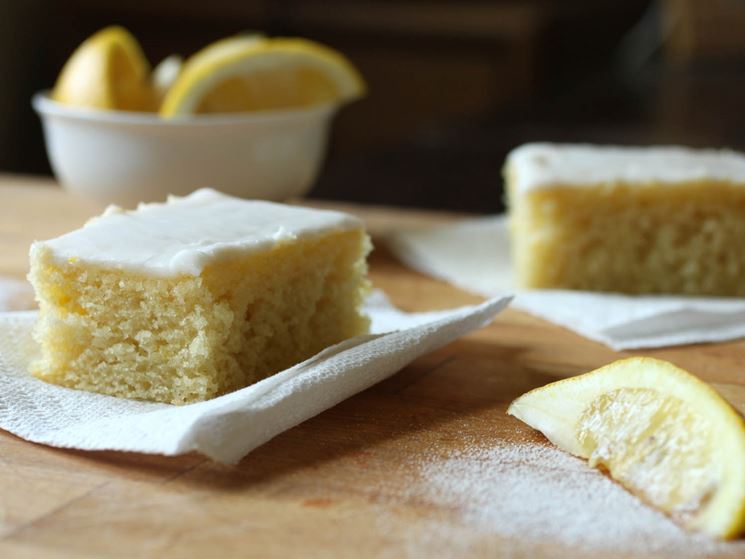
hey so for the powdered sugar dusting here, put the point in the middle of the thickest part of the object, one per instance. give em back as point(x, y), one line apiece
point(531, 492)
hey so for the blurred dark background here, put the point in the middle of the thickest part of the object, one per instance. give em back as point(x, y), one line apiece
point(454, 85)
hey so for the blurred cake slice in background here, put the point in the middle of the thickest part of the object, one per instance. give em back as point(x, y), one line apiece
point(186, 300)
point(627, 219)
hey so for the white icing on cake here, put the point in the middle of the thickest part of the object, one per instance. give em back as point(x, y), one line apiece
point(542, 165)
point(184, 235)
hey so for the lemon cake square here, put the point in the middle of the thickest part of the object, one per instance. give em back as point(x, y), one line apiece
point(627, 219)
point(186, 300)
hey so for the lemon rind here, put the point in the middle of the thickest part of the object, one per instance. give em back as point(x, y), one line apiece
point(551, 408)
point(206, 68)
point(102, 44)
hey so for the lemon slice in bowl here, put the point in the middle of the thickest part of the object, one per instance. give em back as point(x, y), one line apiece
point(165, 74)
point(107, 71)
point(665, 435)
point(261, 74)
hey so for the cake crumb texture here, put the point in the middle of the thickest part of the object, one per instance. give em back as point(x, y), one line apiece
point(630, 237)
point(189, 338)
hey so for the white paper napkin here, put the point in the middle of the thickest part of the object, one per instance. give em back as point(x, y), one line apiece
point(474, 255)
point(16, 295)
point(229, 427)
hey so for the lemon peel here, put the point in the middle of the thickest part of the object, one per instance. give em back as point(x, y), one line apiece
point(107, 71)
point(261, 74)
point(662, 433)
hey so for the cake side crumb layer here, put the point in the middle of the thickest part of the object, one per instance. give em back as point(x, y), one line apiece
point(186, 339)
point(632, 238)
point(292, 302)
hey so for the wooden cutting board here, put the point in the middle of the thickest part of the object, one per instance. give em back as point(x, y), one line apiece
point(339, 485)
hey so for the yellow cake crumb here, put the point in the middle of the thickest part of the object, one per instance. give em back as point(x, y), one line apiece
point(192, 337)
point(611, 232)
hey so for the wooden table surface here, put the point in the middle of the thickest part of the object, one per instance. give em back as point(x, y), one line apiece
point(327, 488)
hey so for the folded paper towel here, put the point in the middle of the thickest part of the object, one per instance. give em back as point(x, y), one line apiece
point(229, 427)
point(474, 254)
point(16, 295)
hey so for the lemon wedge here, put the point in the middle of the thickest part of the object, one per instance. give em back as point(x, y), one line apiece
point(665, 435)
point(165, 74)
point(169, 69)
point(107, 71)
point(255, 73)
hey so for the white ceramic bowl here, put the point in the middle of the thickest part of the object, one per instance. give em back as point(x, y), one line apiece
point(125, 158)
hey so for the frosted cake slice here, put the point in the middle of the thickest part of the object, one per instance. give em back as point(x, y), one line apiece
point(186, 300)
point(628, 219)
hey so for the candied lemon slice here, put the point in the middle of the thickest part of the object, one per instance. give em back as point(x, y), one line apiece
point(107, 71)
point(236, 75)
point(665, 435)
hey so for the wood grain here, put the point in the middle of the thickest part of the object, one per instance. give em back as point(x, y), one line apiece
point(335, 485)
